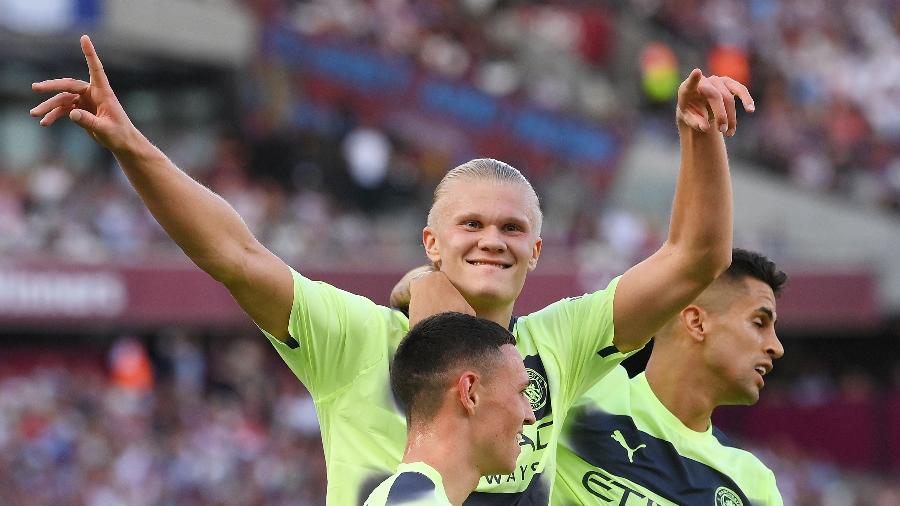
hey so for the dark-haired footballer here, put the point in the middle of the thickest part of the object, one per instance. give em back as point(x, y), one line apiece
point(462, 385)
point(649, 440)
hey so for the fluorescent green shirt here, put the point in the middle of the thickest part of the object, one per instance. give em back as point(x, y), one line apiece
point(621, 446)
point(342, 352)
point(414, 484)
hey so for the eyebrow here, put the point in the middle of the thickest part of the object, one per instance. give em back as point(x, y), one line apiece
point(518, 220)
point(768, 312)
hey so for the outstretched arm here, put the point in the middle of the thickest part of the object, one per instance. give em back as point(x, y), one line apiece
point(202, 223)
point(698, 247)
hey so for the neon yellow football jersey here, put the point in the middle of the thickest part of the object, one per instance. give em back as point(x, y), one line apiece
point(341, 349)
point(621, 446)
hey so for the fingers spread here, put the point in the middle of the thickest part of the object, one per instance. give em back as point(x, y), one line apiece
point(58, 85)
point(55, 114)
point(60, 99)
point(95, 68)
point(736, 88)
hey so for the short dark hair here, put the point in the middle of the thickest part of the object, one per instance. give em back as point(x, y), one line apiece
point(750, 264)
point(434, 347)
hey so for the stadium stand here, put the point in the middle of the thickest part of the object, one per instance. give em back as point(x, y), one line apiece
point(307, 140)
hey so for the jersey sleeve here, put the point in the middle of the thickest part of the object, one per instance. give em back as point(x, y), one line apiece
point(335, 335)
point(580, 333)
point(775, 498)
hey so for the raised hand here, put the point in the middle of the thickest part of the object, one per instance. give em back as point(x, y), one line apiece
point(423, 292)
point(400, 295)
point(704, 102)
point(92, 105)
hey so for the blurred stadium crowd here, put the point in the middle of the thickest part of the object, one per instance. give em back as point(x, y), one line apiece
point(197, 425)
point(191, 430)
point(828, 74)
point(824, 73)
point(190, 421)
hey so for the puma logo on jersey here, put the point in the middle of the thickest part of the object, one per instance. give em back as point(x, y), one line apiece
point(621, 440)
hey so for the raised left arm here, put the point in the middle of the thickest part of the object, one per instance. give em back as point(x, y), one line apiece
point(698, 247)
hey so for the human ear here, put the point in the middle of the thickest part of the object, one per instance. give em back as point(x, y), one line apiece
point(430, 242)
point(693, 319)
point(466, 390)
point(535, 254)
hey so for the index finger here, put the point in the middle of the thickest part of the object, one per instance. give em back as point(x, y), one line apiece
point(693, 79)
point(741, 92)
point(95, 68)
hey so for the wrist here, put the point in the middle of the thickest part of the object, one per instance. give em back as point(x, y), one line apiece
point(133, 146)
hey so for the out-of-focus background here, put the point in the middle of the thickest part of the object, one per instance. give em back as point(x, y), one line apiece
point(129, 377)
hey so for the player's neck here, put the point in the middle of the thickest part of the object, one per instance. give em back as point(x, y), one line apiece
point(499, 315)
point(682, 390)
point(448, 454)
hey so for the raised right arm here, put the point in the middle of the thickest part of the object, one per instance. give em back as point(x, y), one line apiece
point(203, 224)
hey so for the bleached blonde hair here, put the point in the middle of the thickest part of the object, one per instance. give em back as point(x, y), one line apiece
point(491, 170)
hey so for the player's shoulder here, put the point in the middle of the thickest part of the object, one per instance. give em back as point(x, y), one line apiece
point(411, 485)
point(592, 300)
point(747, 462)
point(552, 320)
point(613, 385)
point(726, 443)
point(321, 297)
point(724, 439)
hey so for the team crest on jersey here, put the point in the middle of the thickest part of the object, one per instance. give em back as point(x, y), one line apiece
point(727, 497)
point(538, 391)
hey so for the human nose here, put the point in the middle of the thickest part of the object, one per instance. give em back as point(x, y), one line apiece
point(529, 414)
point(492, 240)
point(774, 347)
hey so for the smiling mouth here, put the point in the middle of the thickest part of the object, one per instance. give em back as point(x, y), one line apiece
point(489, 264)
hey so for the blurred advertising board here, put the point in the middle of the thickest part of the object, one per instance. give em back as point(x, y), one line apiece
point(40, 295)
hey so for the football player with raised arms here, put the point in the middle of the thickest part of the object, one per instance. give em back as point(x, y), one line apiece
point(483, 233)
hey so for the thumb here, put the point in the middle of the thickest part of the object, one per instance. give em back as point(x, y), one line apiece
point(91, 123)
point(84, 119)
